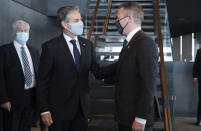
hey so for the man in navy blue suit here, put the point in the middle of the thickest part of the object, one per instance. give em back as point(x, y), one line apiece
point(65, 63)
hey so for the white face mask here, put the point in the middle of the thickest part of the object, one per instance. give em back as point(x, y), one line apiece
point(22, 37)
point(76, 28)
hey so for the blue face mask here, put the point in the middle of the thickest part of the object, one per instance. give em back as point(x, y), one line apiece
point(76, 28)
point(22, 37)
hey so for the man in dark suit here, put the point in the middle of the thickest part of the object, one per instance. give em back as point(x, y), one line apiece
point(135, 72)
point(62, 90)
point(197, 79)
point(18, 68)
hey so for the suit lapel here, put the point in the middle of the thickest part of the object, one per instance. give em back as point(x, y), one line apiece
point(126, 49)
point(64, 47)
point(16, 57)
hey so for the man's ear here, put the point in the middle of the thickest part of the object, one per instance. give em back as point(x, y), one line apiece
point(131, 19)
point(65, 25)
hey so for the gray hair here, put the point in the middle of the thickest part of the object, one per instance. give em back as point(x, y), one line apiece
point(136, 10)
point(63, 13)
point(17, 23)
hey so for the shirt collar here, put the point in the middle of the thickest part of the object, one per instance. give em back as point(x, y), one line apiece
point(67, 38)
point(18, 45)
point(132, 33)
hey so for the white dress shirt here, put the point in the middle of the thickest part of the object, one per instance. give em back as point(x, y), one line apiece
point(70, 45)
point(132, 33)
point(128, 38)
point(18, 49)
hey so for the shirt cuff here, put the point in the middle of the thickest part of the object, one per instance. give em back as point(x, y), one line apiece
point(43, 113)
point(140, 120)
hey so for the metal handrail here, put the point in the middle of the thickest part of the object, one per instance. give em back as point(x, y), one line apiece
point(93, 20)
point(158, 32)
point(107, 17)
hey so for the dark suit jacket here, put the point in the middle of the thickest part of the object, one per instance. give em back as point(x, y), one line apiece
point(61, 88)
point(1, 120)
point(11, 75)
point(197, 66)
point(136, 73)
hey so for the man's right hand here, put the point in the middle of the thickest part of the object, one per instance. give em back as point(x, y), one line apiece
point(6, 106)
point(47, 119)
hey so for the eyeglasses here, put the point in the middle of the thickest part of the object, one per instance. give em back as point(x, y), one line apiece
point(122, 18)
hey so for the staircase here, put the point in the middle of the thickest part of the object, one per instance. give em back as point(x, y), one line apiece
point(108, 47)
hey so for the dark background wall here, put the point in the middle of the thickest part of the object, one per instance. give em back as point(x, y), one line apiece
point(50, 7)
point(184, 16)
point(38, 5)
point(43, 27)
point(53, 5)
point(185, 90)
point(186, 48)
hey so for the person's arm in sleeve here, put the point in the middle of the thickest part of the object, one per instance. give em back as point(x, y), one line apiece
point(147, 60)
point(44, 74)
point(4, 101)
point(101, 72)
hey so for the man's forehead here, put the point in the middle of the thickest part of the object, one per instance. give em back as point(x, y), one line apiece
point(22, 26)
point(75, 14)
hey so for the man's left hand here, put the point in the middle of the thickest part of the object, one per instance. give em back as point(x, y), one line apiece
point(137, 126)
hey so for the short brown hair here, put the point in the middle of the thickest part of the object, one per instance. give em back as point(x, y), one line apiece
point(136, 9)
point(63, 13)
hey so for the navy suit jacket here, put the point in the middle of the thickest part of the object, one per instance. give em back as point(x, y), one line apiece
point(61, 88)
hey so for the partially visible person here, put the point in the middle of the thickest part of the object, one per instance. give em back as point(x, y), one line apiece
point(135, 72)
point(18, 69)
point(197, 80)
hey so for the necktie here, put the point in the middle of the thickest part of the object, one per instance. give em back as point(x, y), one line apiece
point(124, 47)
point(125, 43)
point(27, 70)
point(76, 54)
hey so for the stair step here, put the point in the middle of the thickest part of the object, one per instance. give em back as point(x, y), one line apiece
point(102, 123)
point(102, 105)
point(104, 86)
point(105, 100)
point(115, 4)
point(114, 10)
point(114, 15)
point(114, 20)
point(107, 93)
point(105, 44)
point(112, 26)
point(107, 53)
point(102, 116)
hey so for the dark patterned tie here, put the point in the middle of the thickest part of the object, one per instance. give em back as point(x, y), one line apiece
point(27, 70)
point(125, 43)
point(76, 54)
